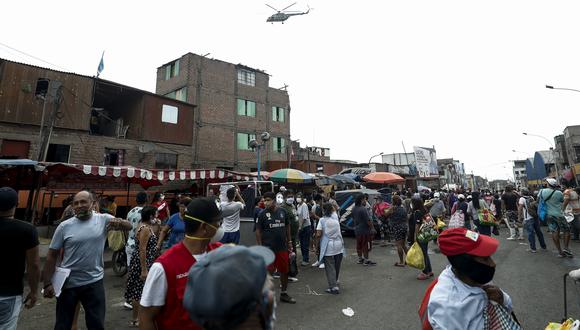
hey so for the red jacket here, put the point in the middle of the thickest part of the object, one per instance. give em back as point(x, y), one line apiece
point(176, 263)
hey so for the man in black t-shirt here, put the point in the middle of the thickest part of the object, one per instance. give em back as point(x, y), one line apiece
point(273, 231)
point(18, 248)
point(509, 201)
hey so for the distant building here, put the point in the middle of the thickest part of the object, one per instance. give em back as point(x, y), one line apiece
point(572, 150)
point(235, 104)
point(519, 172)
point(98, 122)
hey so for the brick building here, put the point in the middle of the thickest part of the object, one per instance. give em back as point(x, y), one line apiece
point(98, 122)
point(235, 104)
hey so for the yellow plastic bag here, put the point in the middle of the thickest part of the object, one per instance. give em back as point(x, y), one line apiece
point(569, 324)
point(441, 224)
point(116, 239)
point(415, 257)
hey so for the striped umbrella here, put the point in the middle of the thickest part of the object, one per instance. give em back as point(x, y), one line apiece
point(290, 175)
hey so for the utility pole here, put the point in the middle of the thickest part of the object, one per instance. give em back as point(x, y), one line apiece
point(53, 97)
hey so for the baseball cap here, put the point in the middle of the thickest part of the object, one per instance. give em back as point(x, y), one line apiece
point(226, 283)
point(457, 241)
point(8, 198)
point(552, 182)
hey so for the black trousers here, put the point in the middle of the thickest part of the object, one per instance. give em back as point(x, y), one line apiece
point(91, 296)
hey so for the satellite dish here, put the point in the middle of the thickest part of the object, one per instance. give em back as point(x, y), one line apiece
point(265, 136)
point(146, 147)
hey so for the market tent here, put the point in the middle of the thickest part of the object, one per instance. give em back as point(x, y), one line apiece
point(383, 178)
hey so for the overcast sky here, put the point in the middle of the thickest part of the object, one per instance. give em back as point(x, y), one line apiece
point(364, 76)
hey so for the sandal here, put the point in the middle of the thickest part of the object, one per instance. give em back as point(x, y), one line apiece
point(398, 264)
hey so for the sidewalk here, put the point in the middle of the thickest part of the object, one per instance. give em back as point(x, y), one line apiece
point(43, 251)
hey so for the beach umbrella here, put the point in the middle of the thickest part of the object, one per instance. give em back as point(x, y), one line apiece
point(290, 175)
point(383, 177)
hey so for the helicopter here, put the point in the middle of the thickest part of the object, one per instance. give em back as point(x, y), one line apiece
point(282, 16)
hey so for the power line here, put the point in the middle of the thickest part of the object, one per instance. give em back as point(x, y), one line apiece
point(34, 57)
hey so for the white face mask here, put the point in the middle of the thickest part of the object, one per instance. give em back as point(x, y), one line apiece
point(219, 234)
point(162, 197)
point(290, 200)
point(299, 200)
point(279, 199)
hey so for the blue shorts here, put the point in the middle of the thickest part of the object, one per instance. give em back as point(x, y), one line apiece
point(233, 237)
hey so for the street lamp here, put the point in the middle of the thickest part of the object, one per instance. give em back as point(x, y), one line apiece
point(258, 146)
point(380, 154)
point(563, 89)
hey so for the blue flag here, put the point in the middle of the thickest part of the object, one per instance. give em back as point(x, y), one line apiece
point(101, 65)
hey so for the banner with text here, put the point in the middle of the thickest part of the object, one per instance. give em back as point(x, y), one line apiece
point(426, 162)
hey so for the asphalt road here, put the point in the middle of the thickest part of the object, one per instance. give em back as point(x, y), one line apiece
point(384, 296)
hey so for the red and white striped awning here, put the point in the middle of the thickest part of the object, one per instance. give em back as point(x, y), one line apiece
point(163, 175)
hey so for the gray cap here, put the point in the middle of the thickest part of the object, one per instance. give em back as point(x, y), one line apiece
point(226, 283)
point(8, 198)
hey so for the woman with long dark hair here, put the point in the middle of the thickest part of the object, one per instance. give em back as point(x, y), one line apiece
point(419, 213)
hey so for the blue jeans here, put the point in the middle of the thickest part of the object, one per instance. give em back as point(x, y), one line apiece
point(425, 250)
point(533, 227)
point(304, 235)
point(233, 237)
point(9, 311)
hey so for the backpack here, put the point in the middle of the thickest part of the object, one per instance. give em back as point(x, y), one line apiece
point(542, 208)
point(531, 207)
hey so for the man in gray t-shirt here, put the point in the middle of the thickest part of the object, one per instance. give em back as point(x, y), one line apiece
point(81, 240)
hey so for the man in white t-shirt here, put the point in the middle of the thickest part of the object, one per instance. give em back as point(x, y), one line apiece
point(304, 228)
point(231, 213)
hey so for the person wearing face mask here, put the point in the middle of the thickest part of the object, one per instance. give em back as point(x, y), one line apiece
point(162, 297)
point(273, 231)
point(231, 213)
point(290, 209)
point(231, 289)
point(161, 205)
point(82, 239)
point(304, 233)
point(459, 298)
point(175, 226)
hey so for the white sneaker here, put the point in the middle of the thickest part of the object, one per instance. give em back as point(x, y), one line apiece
point(316, 264)
point(304, 263)
point(511, 238)
point(127, 305)
point(321, 266)
point(292, 279)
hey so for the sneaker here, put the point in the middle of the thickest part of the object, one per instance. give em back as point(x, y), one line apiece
point(127, 305)
point(568, 253)
point(422, 276)
point(334, 290)
point(321, 266)
point(304, 263)
point(316, 264)
point(531, 250)
point(292, 279)
point(360, 261)
point(276, 275)
point(370, 263)
point(284, 297)
point(511, 238)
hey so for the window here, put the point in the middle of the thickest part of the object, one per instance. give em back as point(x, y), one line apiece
point(179, 94)
point(577, 152)
point(41, 87)
point(278, 144)
point(166, 161)
point(246, 77)
point(244, 141)
point(13, 149)
point(246, 108)
point(278, 114)
point(114, 157)
point(58, 153)
point(171, 70)
point(169, 114)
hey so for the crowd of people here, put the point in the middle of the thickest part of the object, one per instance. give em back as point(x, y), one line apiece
point(179, 263)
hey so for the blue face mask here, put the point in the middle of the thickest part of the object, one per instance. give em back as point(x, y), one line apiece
point(290, 200)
